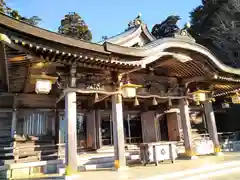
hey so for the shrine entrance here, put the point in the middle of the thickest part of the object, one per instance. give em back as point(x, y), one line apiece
point(81, 130)
point(132, 128)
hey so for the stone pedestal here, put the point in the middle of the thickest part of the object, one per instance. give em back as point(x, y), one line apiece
point(150, 127)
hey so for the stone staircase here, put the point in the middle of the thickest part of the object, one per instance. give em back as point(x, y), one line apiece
point(104, 158)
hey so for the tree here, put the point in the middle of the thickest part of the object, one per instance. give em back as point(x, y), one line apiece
point(216, 25)
point(167, 28)
point(34, 20)
point(74, 26)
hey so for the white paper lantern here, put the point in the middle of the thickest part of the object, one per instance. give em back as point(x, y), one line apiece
point(129, 92)
point(199, 97)
point(43, 86)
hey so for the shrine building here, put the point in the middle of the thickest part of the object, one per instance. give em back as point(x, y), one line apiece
point(125, 90)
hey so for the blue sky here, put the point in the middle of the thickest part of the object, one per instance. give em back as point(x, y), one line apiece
point(104, 17)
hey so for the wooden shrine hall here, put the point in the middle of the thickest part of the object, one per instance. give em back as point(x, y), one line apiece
point(128, 89)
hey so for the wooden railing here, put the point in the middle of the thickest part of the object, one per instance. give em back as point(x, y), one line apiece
point(34, 152)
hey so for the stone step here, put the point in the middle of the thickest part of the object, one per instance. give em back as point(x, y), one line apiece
point(100, 165)
point(103, 160)
point(92, 167)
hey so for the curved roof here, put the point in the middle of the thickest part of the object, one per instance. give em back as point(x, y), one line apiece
point(146, 54)
point(154, 50)
point(33, 31)
point(131, 36)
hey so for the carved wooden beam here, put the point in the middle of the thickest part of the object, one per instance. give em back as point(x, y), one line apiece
point(194, 79)
point(149, 77)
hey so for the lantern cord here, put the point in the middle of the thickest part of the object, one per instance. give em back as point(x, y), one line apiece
point(164, 97)
point(101, 99)
point(83, 91)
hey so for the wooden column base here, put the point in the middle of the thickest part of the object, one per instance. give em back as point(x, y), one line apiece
point(190, 154)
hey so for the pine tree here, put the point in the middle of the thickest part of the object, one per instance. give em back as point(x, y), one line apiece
point(34, 20)
point(167, 28)
point(216, 25)
point(74, 26)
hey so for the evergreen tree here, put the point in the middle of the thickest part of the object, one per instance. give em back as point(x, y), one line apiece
point(74, 26)
point(216, 25)
point(34, 20)
point(167, 28)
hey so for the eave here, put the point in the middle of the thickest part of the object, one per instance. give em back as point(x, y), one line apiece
point(154, 50)
point(20, 28)
point(82, 59)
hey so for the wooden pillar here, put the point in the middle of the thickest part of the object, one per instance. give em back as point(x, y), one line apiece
point(186, 127)
point(71, 130)
point(98, 128)
point(211, 124)
point(150, 127)
point(14, 117)
point(118, 132)
point(4, 67)
point(174, 125)
point(56, 126)
point(91, 130)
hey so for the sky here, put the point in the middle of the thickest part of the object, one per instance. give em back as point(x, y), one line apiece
point(104, 17)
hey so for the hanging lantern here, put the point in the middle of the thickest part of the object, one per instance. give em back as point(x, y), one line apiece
point(43, 83)
point(129, 90)
point(235, 99)
point(5, 38)
point(200, 96)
